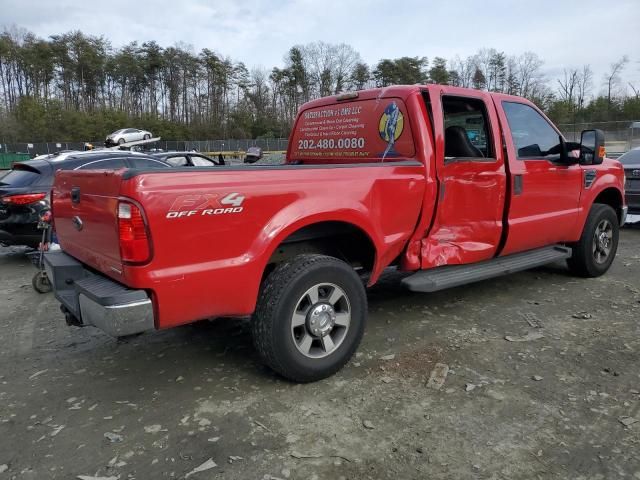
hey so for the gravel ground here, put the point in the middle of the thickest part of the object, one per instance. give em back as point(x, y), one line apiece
point(557, 401)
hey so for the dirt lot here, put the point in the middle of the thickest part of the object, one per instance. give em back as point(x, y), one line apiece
point(74, 402)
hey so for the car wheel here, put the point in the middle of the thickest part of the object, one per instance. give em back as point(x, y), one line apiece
point(310, 317)
point(593, 254)
point(120, 141)
point(146, 137)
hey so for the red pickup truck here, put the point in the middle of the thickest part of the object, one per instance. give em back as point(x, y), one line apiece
point(454, 185)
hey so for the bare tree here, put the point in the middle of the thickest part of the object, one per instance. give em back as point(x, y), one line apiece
point(465, 69)
point(612, 78)
point(585, 82)
point(529, 76)
point(568, 85)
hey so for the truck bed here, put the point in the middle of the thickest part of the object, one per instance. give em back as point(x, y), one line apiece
point(213, 231)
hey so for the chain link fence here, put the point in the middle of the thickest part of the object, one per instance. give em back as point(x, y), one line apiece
point(619, 136)
point(230, 145)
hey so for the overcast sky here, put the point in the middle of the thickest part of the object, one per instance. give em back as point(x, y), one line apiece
point(565, 33)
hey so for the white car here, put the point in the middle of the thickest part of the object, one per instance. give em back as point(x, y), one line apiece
point(126, 135)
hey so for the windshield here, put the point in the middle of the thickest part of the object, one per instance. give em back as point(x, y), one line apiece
point(631, 157)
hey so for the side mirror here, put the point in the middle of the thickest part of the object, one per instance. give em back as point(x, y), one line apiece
point(592, 150)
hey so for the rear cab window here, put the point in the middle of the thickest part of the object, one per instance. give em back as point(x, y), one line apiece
point(364, 131)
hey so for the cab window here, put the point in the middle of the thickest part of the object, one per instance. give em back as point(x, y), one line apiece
point(466, 129)
point(178, 161)
point(201, 161)
point(532, 135)
point(144, 163)
point(110, 164)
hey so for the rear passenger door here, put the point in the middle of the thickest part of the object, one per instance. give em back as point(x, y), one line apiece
point(471, 175)
point(544, 194)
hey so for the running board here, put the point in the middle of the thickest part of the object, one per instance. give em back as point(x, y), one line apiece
point(440, 278)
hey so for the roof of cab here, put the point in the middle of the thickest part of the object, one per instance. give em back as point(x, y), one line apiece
point(396, 91)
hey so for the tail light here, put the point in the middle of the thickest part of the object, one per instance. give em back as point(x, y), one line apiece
point(24, 199)
point(133, 235)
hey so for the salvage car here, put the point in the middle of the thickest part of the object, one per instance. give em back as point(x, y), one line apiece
point(631, 163)
point(25, 189)
point(126, 135)
point(188, 159)
point(372, 179)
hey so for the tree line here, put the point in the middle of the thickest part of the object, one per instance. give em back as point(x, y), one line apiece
point(75, 86)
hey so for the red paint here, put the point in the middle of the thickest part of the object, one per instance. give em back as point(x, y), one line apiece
point(212, 232)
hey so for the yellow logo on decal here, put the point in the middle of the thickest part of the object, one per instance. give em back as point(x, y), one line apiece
point(391, 123)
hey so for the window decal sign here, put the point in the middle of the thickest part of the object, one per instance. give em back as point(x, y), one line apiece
point(359, 131)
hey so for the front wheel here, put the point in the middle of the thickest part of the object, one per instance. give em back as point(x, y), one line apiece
point(593, 254)
point(120, 141)
point(146, 137)
point(310, 317)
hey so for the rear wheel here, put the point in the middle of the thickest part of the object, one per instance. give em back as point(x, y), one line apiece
point(593, 254)
point(310, 317)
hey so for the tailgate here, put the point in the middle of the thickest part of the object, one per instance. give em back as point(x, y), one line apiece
point(85, 207)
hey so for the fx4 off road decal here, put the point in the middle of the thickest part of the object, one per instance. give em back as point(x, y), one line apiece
point(206, 204)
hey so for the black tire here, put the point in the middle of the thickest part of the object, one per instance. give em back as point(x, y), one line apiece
point(282, 293)
point(41, 283)
point(146, 137)
point(588, 258)
point(120, 141)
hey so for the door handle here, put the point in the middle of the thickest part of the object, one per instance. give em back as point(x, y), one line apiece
point(75, 195)
point(517, 184)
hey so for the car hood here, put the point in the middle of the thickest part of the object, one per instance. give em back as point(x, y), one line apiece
point(632, 166)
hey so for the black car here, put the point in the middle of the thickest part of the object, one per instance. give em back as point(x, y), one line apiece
point(631, 163)
point(189, 159)
point(25, 189)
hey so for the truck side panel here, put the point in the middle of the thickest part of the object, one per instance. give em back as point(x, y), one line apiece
point(208, 247)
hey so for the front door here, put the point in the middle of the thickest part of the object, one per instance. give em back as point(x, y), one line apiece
point(467, 225)
point(544, 195)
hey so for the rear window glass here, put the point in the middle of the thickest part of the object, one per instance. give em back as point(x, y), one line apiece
point(19, 178)
point(353, 132)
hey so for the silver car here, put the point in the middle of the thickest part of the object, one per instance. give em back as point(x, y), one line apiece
point(126, 135)
point(631, 163)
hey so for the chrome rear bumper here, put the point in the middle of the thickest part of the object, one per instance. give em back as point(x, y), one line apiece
point(92, 299)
